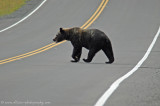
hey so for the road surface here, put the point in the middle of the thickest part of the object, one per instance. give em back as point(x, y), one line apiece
point(50, 78)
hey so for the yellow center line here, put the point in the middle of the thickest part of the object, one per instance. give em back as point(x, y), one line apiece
point(28, 52)
point(97, 15)
point(49, 46)
point(93, 14)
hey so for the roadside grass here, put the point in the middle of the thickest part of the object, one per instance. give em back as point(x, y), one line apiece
point(9, 6)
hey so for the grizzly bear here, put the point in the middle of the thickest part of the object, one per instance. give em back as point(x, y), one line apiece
point(92, 39)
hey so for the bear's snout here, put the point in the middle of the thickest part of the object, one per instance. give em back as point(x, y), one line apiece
point(54, 40)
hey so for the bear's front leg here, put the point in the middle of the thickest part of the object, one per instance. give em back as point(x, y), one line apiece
point(91, 54)
point(75, 59)
point(76, 54)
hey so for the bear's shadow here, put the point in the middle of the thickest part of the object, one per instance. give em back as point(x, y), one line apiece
point(91, 63)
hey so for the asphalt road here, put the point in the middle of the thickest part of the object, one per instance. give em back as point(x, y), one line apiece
point(50, 76)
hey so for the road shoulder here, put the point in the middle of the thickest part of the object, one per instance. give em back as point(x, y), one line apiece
point(8, 20)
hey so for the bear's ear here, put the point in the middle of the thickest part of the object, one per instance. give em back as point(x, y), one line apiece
point(61, 30)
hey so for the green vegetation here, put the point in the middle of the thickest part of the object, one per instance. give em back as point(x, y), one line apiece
point(9, 6)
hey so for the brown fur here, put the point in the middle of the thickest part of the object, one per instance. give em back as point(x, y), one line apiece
point(92, 39)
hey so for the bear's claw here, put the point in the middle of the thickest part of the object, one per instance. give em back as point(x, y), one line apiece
point(86, 60)
point(74, 61)
point(109, 62)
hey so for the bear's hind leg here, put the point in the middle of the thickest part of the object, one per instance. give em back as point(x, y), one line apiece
point(109, 54)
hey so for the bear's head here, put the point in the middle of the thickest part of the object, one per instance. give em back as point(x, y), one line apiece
point(60, 36)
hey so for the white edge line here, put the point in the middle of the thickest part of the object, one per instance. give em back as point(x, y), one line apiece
point(24, 17)
point(102, 100)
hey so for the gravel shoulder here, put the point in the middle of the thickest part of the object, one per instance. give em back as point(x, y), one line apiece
point(8, 20)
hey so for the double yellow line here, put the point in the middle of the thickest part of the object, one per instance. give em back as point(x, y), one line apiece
point(49, 46)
